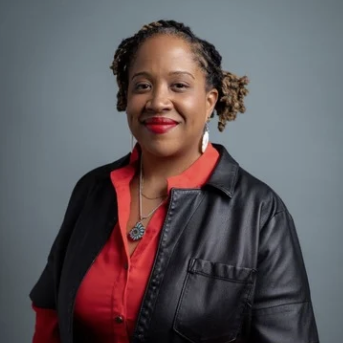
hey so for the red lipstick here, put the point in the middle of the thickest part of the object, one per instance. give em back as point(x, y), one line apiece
point(159, 125)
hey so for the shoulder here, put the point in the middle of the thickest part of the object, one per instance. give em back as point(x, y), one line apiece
point(83, 190)
point(99, 174)
point(89, 182)
point(250, 185)
point(253, 190)
point(245, 189)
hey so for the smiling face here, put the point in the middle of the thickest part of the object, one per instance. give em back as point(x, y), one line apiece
point(168, 101)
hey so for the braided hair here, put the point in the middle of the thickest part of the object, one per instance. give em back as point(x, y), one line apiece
point(231, 88)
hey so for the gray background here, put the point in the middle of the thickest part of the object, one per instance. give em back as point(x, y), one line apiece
point(58, 120)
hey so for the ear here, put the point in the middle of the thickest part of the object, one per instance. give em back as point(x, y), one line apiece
point(211, 100)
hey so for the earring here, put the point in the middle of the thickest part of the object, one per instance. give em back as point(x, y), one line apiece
point(205, 139)
point(132, 142)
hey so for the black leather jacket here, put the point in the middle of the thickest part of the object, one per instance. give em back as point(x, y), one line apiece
point(228, 267)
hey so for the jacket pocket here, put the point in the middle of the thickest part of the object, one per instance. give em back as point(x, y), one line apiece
point(212, 302)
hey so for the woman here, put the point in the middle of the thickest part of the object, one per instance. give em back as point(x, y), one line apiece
point(174, 242)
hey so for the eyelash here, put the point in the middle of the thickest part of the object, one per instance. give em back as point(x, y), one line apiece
point(138, 87)
point(183, 86)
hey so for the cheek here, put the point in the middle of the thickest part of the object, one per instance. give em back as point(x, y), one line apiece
point(132, 105)
point(134, 109)
point(193, 108)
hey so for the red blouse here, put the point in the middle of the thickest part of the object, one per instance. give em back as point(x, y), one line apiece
point(110, 295)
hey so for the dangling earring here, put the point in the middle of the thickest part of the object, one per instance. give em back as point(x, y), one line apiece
point(205, 139)
point(132, 142)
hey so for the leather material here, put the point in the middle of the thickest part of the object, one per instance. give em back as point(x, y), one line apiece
point(228, 268)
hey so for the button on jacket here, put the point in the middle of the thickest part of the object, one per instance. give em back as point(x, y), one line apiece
point(228, 267)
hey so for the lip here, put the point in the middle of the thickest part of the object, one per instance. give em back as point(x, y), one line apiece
point(160, 128)
point(159, 121)
point(159, 125)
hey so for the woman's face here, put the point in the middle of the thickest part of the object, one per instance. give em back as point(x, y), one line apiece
point(168, 102)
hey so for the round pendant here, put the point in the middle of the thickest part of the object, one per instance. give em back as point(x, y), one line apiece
point(137, 232)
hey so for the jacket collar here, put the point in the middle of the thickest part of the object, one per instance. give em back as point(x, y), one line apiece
point(224, 176)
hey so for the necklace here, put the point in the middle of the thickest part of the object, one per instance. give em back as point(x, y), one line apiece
point(138, 231)
point(154, 198)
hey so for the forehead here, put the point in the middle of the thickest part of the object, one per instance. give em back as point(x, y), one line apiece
point(164, 53)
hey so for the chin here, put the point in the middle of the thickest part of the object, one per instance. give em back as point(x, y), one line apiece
point(161, 149)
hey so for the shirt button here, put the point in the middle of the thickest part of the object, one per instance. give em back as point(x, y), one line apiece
point(126, 266)
point(119, 319)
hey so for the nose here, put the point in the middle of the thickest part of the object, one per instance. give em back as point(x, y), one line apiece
point(159, 101)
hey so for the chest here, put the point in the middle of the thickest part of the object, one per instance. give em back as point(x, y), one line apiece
point(142, 212)
point(195, 227)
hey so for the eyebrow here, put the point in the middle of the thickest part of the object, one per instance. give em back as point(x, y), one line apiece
point(179, 72)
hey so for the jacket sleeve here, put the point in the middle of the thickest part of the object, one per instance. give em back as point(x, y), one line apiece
point(44, 293)
point(282, 309)
point(46, 328)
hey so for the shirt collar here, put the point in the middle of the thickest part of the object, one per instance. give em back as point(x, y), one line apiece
point(198, 173)
point(193, 177)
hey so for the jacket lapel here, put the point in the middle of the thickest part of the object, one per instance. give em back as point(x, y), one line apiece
point(183, 204)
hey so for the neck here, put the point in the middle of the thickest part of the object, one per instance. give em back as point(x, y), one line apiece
point(158, 169)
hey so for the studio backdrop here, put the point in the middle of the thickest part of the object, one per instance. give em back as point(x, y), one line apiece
point(59, 120)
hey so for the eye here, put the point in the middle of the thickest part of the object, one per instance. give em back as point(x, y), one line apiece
point(142, 87)
point(179, 86)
